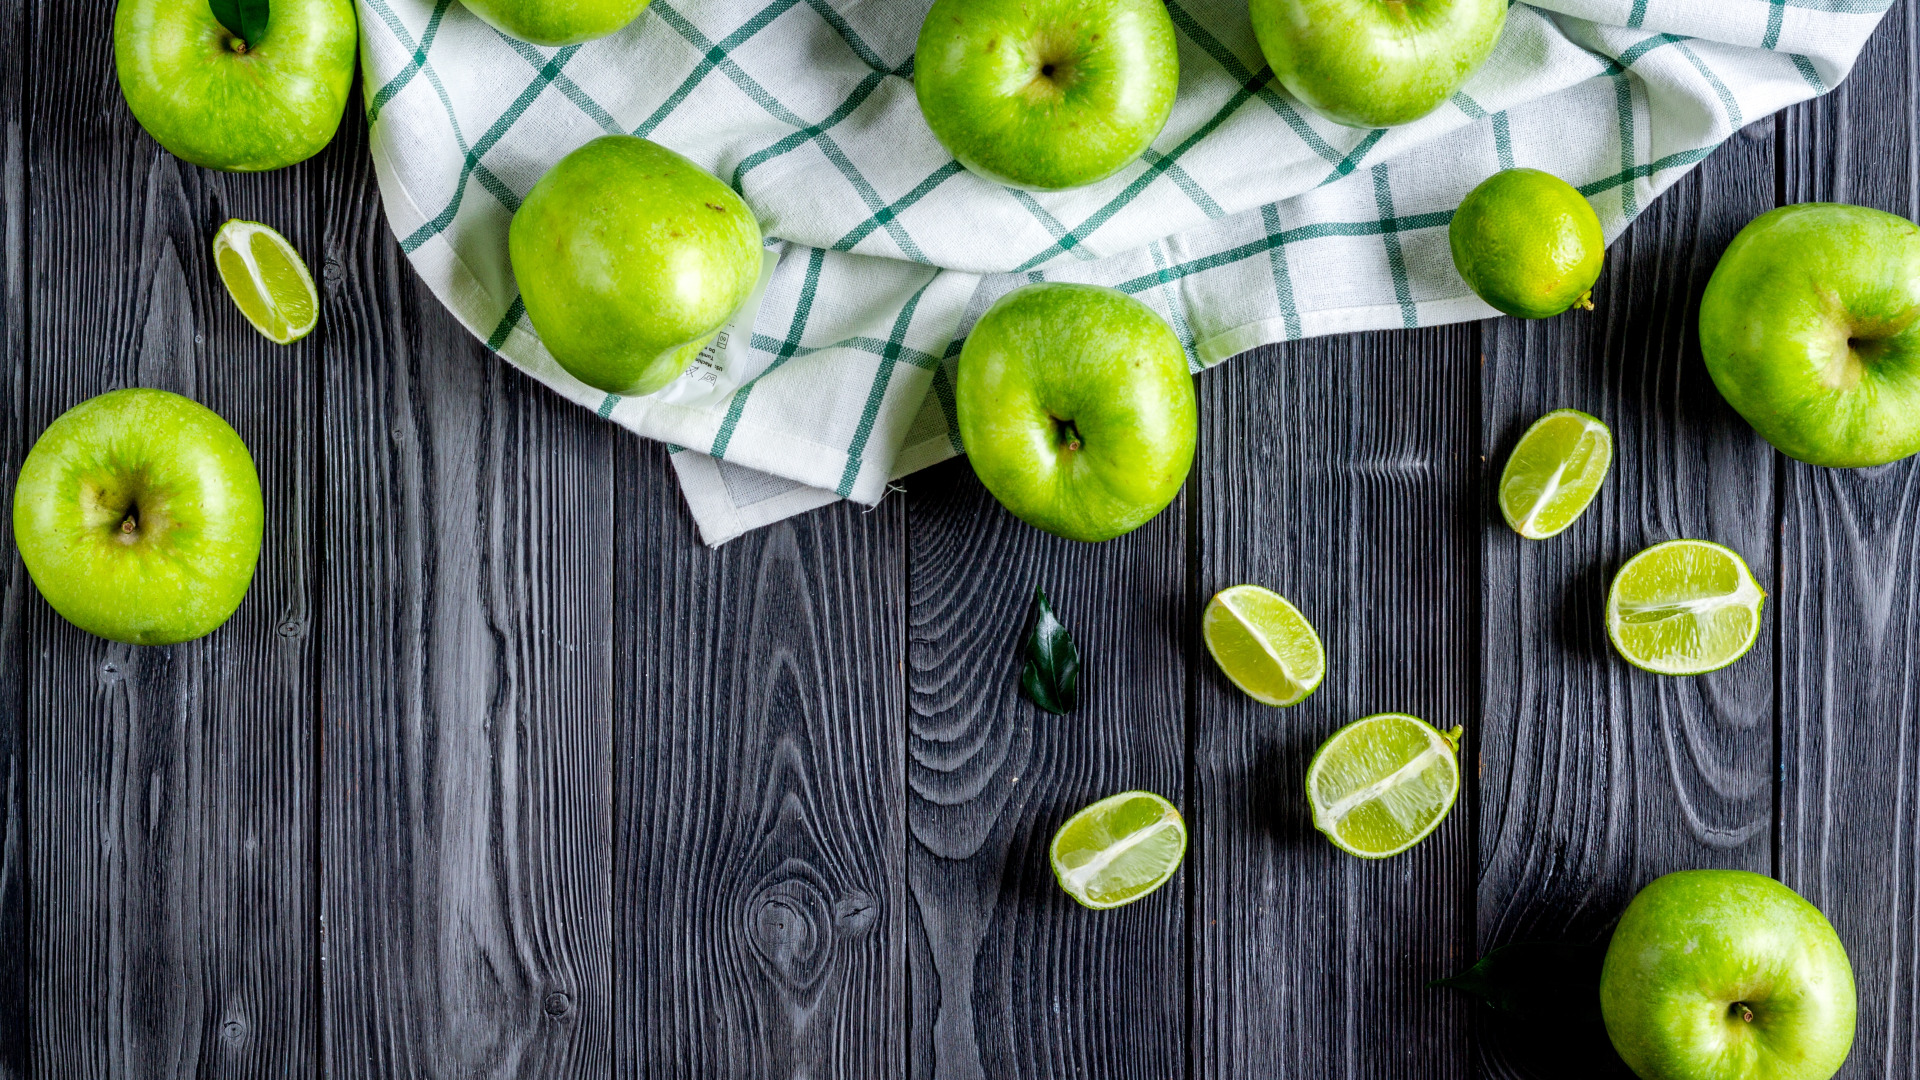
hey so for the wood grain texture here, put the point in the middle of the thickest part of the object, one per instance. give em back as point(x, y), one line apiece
point(466, 686)
point(16, 948)
point(1340, 473)
point(1009, 976)
point(1848, 602)
point(170, 867)
point(1597, 777)
point(759, 907)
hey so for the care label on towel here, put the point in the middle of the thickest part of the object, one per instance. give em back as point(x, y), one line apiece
point(727, 361)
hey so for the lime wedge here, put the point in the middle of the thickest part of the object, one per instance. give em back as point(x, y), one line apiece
point(1263, 644)
point(1119, 849)
point(267, 279)
point(1685, 607)
point(1382, 783)
point(1554, 472)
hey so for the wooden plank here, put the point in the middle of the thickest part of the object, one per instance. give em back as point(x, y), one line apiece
point(1597, 777)
point(759, 906)
point(467, 617)
point(169, 818)
point(1339, 472)
point(1009, 976)
point(1848, 602)
point(16, 1020)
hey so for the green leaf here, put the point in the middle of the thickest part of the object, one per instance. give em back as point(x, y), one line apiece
point(244, 19)
point(1543, 1001)
point(1051, 678)
point(1536, 978)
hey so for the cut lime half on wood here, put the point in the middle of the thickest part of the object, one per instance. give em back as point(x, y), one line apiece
point(1263, 644)
point(1685, 607)
point(267, 280)
point(1555, 472)
point(1119, 849)
point(1382, 783)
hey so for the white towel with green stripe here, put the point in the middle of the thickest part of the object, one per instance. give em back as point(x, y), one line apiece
point(1251, 220)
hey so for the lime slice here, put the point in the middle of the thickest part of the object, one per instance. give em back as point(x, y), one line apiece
point(1263, 644)
point(267, 279)
point(1685, 607)
point(1119, 849)
point(1555, 472)
point(1382, 783)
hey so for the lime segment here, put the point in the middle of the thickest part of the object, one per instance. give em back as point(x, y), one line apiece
point(1382, 783)
point(1263, 644)
point(1685, 607)
point(1555, 472)
point(1119, 849)
point(267, 280)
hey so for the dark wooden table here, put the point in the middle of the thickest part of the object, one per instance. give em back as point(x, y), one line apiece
point(499, 772)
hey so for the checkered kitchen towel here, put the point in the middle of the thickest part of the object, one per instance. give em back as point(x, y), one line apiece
point(1250, 221)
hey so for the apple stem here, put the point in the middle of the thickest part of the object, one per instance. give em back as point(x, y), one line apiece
point(1746, 1011)
point(238, 45)
point(1585, 303)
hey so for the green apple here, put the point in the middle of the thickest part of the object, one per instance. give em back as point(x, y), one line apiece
point(1076, 409)
point(1375, 63)
point(630, 258)
point(138, 516)
point(1726, 975)
point(218, 100)
point(1811, 329)
point(1046, 94)
point(557, 22)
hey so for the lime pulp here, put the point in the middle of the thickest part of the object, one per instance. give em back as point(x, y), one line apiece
point(1685, 607)
point(1263, 644)
point(1119, 849)
point(1554, 473)
point(267, 279)
point(1379, 785)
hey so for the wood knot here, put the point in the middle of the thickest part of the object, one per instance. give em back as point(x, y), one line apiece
point(557, 1005)
point(792, 917)
point(855, 913)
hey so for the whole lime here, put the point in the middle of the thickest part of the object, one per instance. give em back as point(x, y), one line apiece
point(1528, 243)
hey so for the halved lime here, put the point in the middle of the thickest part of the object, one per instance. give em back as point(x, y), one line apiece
point(1554, 472)
point(1119, 849)
point(1382, 783)
point(1685, 607)
point(1263, 644)
point(267, 279)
